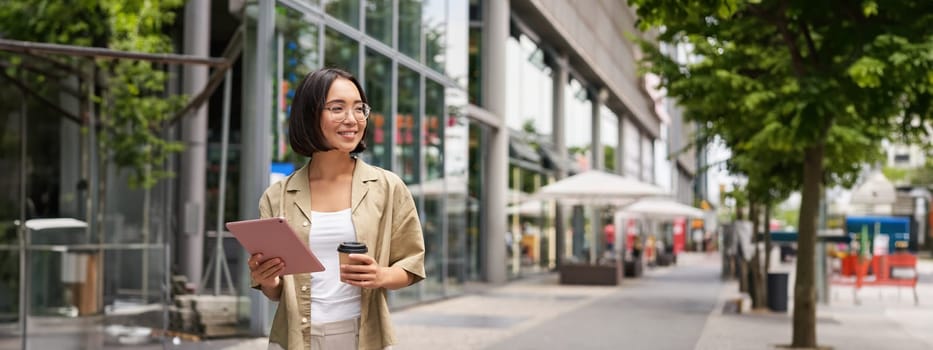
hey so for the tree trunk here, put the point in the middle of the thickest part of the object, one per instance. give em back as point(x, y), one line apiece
point(804, 335)
point(759, 291)
point(767, 238)
point(742, 270)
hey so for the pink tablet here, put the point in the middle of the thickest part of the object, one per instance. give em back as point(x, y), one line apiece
point(275, 239)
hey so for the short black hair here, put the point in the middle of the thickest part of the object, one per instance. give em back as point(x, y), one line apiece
point(304, 120)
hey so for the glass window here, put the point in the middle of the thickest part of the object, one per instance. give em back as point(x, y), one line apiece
point(379, 20)
point(408, 162)
point(11, 160)
point(455, 53)
point(456, 167)
point(529, 88)
point(378, 87)
point(479, 136)
point(647, 159)
point(578, 133)
point(347, 11)
point(632, 148)
point(476, 10)
point(434, 187)
point(296, 43)
point(409, 28)
point(435, 33)
point(475, 65)
point(609, 137)
point(407, 151)
point(578, 124)
point(434, 129)
point(341, 51)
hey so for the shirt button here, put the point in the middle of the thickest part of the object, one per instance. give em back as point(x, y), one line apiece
point(304, 288)
point(304, 320)
point(304, 224)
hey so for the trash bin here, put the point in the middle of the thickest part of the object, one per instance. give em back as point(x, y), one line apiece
point(777, 291)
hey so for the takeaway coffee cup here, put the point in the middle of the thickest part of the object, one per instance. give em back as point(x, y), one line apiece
point(346, 248)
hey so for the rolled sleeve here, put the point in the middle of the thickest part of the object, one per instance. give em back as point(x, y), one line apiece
point(407, 250)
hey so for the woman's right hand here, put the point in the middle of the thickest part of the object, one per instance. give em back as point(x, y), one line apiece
point(266, 273)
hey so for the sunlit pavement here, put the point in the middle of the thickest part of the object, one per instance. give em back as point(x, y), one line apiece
point(676, 307)
point(886, 319)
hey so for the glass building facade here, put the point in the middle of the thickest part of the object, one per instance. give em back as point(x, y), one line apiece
point(410, 57)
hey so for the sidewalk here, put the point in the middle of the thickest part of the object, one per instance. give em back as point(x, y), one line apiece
point(538, 313)
point(506, 316)
point(886, 319)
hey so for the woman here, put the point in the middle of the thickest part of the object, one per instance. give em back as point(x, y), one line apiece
point(334, 198)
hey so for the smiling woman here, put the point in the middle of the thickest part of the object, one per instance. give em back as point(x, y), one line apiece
point(337, 198)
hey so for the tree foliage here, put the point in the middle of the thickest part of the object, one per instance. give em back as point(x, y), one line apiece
point(127, 96)
point(802, 92)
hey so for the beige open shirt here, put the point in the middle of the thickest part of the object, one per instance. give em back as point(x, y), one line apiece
point(385, 218)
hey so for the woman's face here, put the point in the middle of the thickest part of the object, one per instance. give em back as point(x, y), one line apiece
point(343, 100)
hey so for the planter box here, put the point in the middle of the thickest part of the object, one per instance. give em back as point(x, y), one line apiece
point(586, 274)
point(633, 268)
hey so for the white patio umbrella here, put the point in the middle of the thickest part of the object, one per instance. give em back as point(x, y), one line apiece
point(662, 208)
point(528, 208)
point(876, 196)
point(437, 187)
point(876, 190)
point(598, 188)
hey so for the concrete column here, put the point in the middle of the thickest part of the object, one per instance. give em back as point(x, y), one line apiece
point(194, 135)
point(560, 144)
point(256, 144)
point(599, 158)
point(496, 24)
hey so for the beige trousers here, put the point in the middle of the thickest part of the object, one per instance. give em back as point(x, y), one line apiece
point(340, 335)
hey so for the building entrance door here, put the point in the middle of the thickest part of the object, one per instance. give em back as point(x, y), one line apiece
point(479, 136)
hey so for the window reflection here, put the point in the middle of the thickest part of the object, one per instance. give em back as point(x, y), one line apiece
point(632, 148)
point(408, 141)
point(435, 16)
point(296, 55)
point(409, 28)
point(647, 159)
point(379, 20)
point(475, 63)
point(578, 133)
point(455, 50)
point(455, 159)
point(609, 137)
point(529, 88)
point(378, 87)
point(578, 124)
point(434, 187)
point(347, 11)
point(341, 51)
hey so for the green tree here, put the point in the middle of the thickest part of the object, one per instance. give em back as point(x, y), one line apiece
point(819, 82)
point(127, 96)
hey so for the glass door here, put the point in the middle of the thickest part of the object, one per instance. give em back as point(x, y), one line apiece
point(479, 135)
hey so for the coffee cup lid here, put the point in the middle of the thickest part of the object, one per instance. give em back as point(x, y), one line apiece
point(352, 247)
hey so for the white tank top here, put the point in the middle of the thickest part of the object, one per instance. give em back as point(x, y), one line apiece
point(331, 300)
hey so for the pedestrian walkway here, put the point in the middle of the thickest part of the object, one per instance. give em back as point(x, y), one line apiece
point(676, 307)
point(885, 319)
point(667, 307)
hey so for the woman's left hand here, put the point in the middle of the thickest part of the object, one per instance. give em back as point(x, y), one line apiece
point(363, 272)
